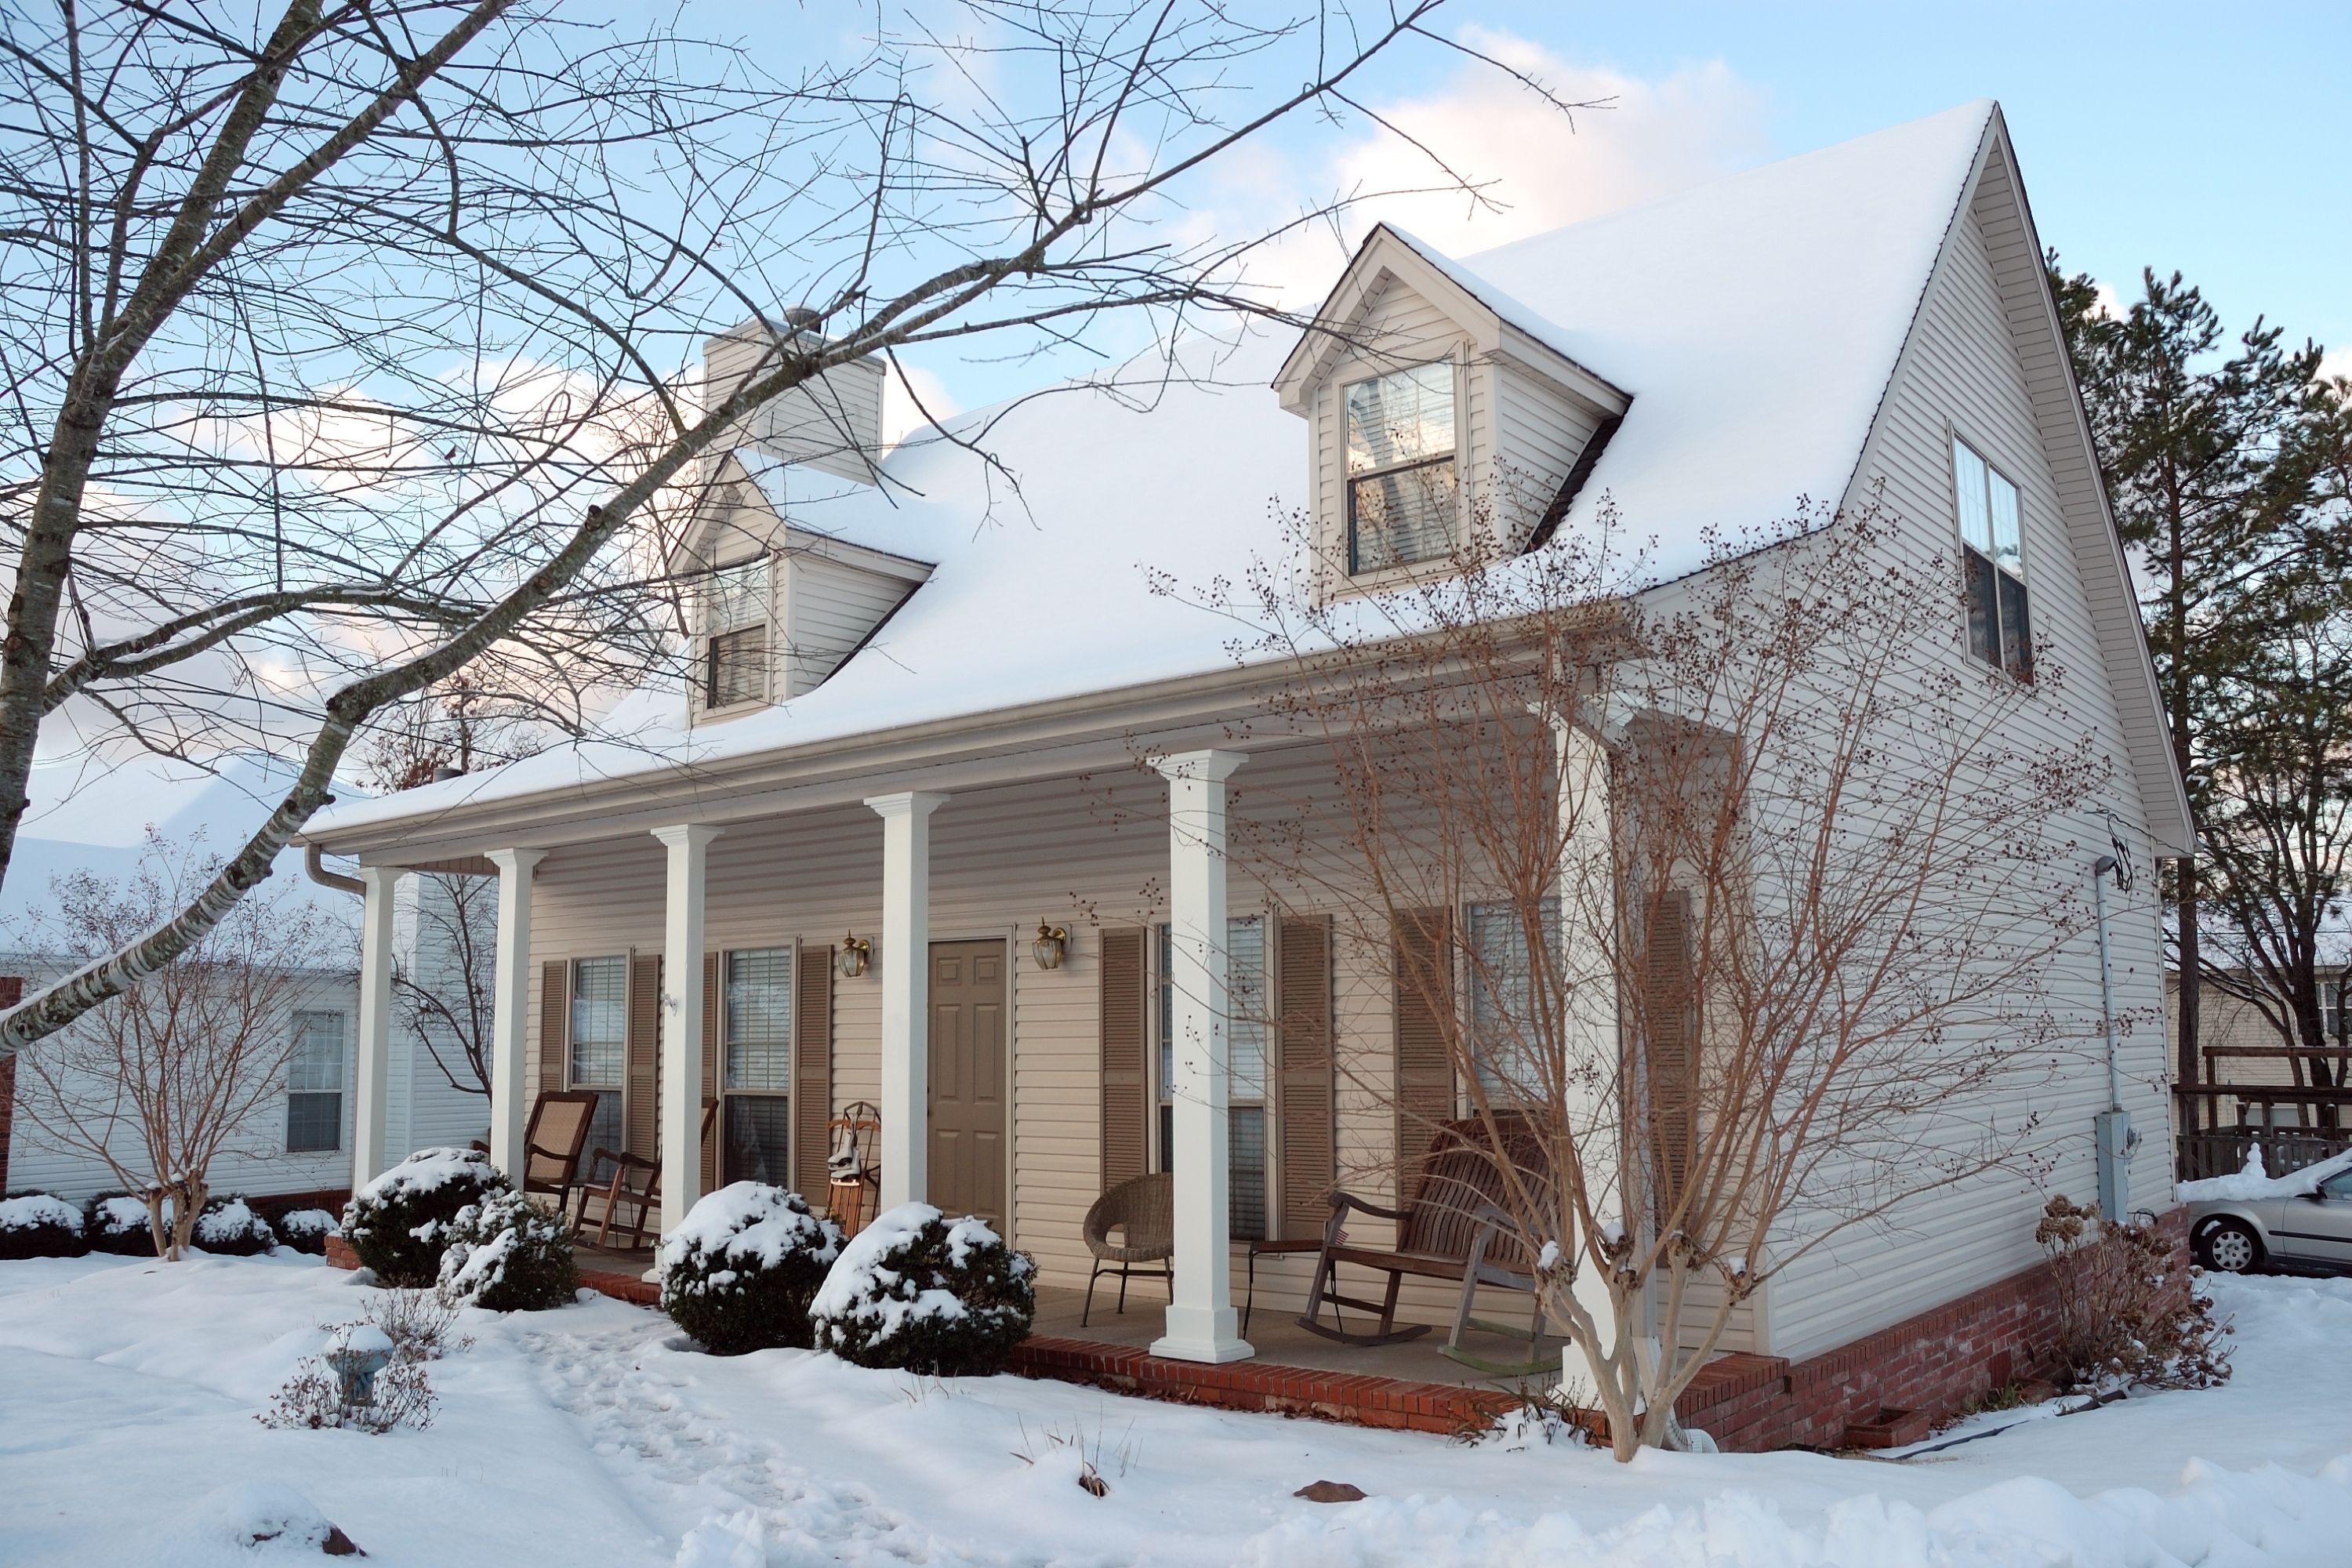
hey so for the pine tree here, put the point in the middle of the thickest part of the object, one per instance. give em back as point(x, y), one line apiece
point(2217, 459)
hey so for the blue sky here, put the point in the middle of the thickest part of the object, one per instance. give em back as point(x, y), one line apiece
point(2201, 138)
point(2208, 138)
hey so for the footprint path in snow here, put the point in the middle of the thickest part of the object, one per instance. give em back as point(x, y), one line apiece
point(684, 1466)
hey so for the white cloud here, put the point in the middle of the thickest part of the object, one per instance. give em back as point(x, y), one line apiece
point(2335, 363)
point(1538, 168)
point(901, 417)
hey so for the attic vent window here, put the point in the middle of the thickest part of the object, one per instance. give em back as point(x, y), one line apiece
point(1992, 564)
point(732, 622)
point(1401, 485)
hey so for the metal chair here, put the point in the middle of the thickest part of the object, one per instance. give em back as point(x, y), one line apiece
point(1143, 1211)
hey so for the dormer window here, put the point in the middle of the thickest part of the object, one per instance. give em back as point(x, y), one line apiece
point(1402, 485)
point(1992, 564)
point(733, 632)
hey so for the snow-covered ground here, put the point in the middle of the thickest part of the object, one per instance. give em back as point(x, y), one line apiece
point(128, 1393)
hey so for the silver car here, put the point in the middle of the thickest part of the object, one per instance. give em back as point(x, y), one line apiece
point(2312, 1226)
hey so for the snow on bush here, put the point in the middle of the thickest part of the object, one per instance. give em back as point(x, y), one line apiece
point(249, 1517)
point(39, 1225)
point(506, 1256)
point(922, 1293)
point(117, 1222)
point(399, 1223)
point(305, 1230)
point(227, 1225)
point(739, 1274)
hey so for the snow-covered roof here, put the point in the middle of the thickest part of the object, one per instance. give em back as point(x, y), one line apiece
point(1755, 321)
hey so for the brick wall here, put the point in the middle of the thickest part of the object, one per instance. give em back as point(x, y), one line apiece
point(1896, 1383)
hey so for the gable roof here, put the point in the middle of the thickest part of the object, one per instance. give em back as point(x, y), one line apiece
point(1755, 323)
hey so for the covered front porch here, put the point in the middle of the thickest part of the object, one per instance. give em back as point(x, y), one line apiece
point(748, 970)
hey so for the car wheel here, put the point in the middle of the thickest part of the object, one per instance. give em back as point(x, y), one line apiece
point(2230, 1246)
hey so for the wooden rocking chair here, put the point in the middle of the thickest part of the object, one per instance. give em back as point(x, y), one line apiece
point(1453, 1229)
point(552, 1141)
point(635, 1185)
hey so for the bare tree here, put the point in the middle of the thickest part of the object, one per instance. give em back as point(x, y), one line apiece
point(158, 1082)
point(1731, 905)
point(444, 992)
point(345, 341)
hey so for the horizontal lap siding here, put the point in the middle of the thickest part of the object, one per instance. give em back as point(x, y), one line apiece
point(1963, 373)
point(830, 607)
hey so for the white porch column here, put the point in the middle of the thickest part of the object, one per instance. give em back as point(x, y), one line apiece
point(510, 1010)
point(1587, 894)
point(1201, 1322)
point(681, 1021)
point(906, 962)
point(372, 1078)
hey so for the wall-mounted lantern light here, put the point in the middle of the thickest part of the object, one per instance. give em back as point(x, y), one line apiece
point(1051, 942)
point(857, 951)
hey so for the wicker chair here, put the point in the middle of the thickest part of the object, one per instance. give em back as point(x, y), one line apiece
point(1143, 1211)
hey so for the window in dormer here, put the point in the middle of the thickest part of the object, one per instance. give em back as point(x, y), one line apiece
point(1402, 483)
point(733, 631)
point(1992, 564)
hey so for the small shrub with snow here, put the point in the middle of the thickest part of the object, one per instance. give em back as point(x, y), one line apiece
point(321, 1394)
point(117, 1222)
point(228, 1225)
point(922, 1293)
point(2128, 1312)
point(305, 1230)
point(39, 1225)
point(506, 1256)
point(399, 1224)
point(740, 1273)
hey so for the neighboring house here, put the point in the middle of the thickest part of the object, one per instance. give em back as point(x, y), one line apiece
point(911, 682)
point(91, 818)
point(300, 1143)
point(2243, 1048)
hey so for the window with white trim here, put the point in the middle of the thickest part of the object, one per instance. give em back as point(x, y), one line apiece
point(756, 1024)
point(600, 1041)
point(1245, 1148)
point(1403, 487)
point(731, 620)
point(314, 1085)
point(1992, 563)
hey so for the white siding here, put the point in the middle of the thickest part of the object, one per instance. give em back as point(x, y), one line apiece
point(256, 1164)
point(424, 1108)
point(833, 424)
point(1961, 374)
point(830, 606)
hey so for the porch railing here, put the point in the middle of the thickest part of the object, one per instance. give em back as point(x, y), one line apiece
point(2295, 1123)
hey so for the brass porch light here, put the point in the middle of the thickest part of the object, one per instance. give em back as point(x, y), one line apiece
point(857, 951)
point(1051, 944)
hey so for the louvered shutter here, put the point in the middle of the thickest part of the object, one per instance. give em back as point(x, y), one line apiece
point(554, 1004)
point(1304, 1080)
point(1126, 1065)
point(1670, 1020)
point(812, 1071)
point(710, 1084)
point(642, 1102)
point(1422, 980)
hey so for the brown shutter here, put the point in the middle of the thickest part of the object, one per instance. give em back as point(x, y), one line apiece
point(1125, 1065)
point(1670, 1019)
point(12, 991)
point(1304, 1079)
point(554, 1004)
point(812, 1071)
point(1423, 981)
point(641, 1103)
point(710, 1084)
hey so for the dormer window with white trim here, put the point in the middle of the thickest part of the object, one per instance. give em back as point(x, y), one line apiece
point(1992, 564)
point(1403, 486)
point(732, 630)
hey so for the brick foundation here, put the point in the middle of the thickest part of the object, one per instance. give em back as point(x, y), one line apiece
point(1888, 1388)
point(1258, 1385)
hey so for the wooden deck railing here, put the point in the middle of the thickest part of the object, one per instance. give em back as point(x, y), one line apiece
point(2225, 1117)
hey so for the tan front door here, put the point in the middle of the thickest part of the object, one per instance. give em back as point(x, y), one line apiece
point(968, 1085)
